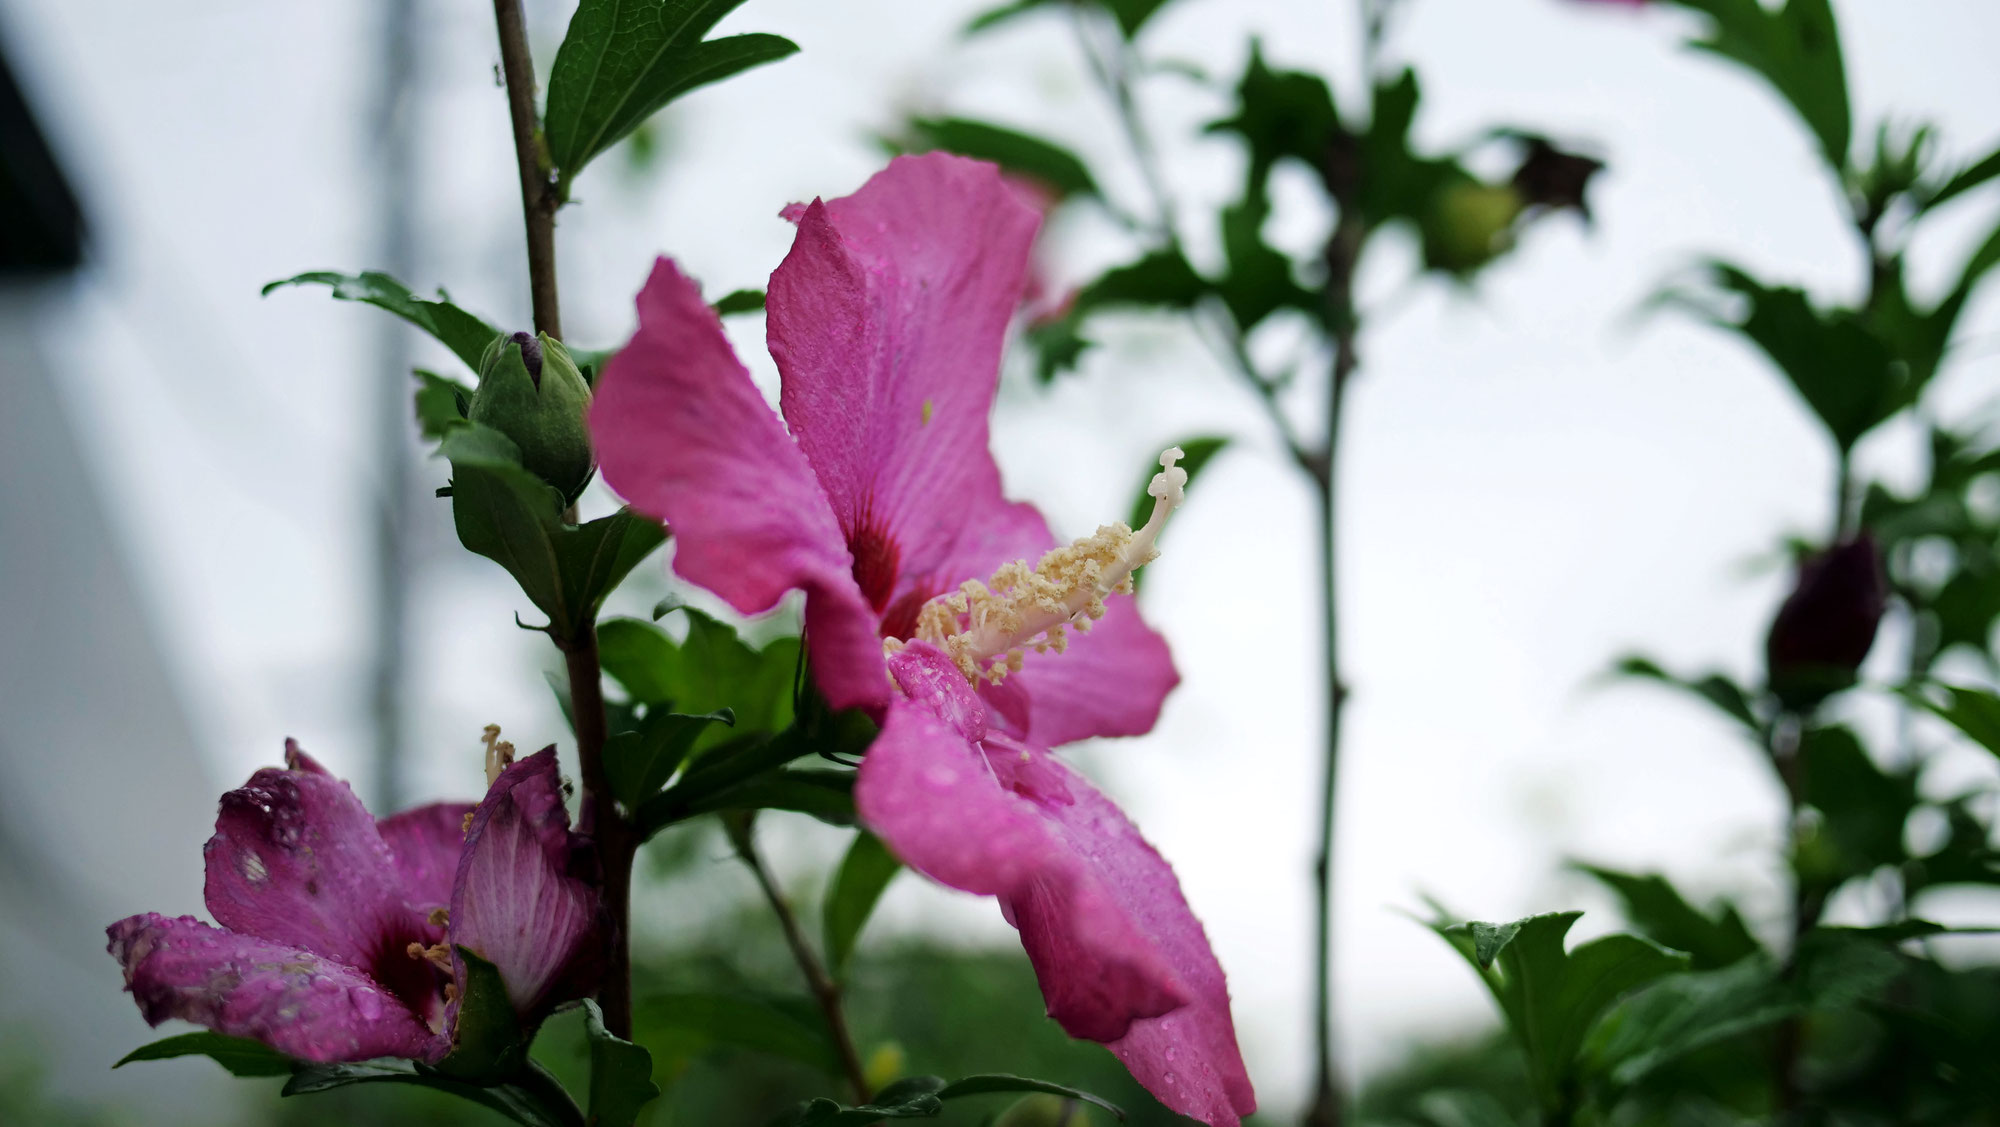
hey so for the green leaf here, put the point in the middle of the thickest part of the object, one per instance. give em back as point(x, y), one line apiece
point(621, 1074)
point(997, 1082)
point(826, 795)
point(1796, 48)
point(510, 516)
point(693, 1022)
point(535, 1100)
point(712, 782)
point(1260, 280)
point(466, 335)
point(1964, 180)
point(638, 763)
point(624, 60)
point(1657, 909)
point(858, 884)
point(1973, 711)
point(441, 403)
point(1280, 115)
point(1045, 162)
point(240, 1056)
point(709, 670)
point(1864, 808)
point(739, 301)
point(1844, 371)
point(913, 1097)
point(1714, 688)
point(1552, 997)
point(1131, 15)
point(487, 1043)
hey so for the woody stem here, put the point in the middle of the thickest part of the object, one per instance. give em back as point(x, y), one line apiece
point(608, 827)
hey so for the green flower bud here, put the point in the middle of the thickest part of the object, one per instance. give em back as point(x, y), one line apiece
point(531, 391)
point(1469, 225)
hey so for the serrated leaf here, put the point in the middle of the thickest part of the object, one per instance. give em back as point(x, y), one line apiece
point(624, 60)
point(1195, 456)
point(1551, 997)
point(1041, 160)
point(239, 1056)
point(864, 874)
point(997, 1082)
point(639, 762)
point(1280, 115)
point(1657, 909)
point(709, 670)
point(621, 1073)
point(466, 335)
point(1796, 48)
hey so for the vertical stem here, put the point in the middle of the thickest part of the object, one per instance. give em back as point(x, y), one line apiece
point(1785, 739)
point(602, 820)
point(538, 192)
point(824, 989)
point(1343, 252)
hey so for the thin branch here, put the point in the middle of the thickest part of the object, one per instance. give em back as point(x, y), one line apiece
point(539, 198)
point(824, 989)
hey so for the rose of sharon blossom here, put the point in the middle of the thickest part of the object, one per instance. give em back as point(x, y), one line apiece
point(339, 931)
point(930, 599)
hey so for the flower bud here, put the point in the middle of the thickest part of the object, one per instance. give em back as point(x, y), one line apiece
point(1827, 624)
point(530, 391)
point(1469, 224)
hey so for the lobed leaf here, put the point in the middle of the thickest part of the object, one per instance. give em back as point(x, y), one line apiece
point(465, 334)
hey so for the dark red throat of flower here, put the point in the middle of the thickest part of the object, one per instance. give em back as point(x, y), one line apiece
point(875, 562)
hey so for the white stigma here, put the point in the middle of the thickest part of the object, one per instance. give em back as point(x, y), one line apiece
point(987, 628)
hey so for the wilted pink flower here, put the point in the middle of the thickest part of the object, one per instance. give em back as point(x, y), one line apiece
point(878, 496)
point(339, 931)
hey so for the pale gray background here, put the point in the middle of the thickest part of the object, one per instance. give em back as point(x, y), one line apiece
point(1535, 482)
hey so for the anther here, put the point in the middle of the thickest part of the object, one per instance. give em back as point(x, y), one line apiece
point(499, 755)
point(987, 627)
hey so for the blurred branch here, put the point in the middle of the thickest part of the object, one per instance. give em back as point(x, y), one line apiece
point(824, 989)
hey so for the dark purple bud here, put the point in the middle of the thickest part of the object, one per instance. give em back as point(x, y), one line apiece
point(1827, 624)
point(1552, 179)
point(531, 355)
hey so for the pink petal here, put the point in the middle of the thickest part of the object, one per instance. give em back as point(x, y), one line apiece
point(887, 321)
point(515, 902)
point(1111, 681)
point(294, 1000)
point(1120, 956)
point(683, 435)
point(296, 860)
point(425, 844)
point(1188, 1058)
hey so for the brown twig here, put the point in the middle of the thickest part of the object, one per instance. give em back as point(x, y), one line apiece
point(539, 198)
point(824, 989)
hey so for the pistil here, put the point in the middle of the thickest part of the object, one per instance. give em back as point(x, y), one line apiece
point(987, 628)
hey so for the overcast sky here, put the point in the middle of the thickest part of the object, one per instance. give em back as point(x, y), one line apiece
point(1535, 482)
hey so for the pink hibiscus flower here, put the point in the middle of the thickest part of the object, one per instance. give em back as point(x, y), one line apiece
point(339, 931)
point(877, 495)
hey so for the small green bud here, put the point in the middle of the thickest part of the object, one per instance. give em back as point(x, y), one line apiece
point(1469, 225)
point(530, 391)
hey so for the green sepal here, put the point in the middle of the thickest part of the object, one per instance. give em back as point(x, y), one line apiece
point(487, 1041)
